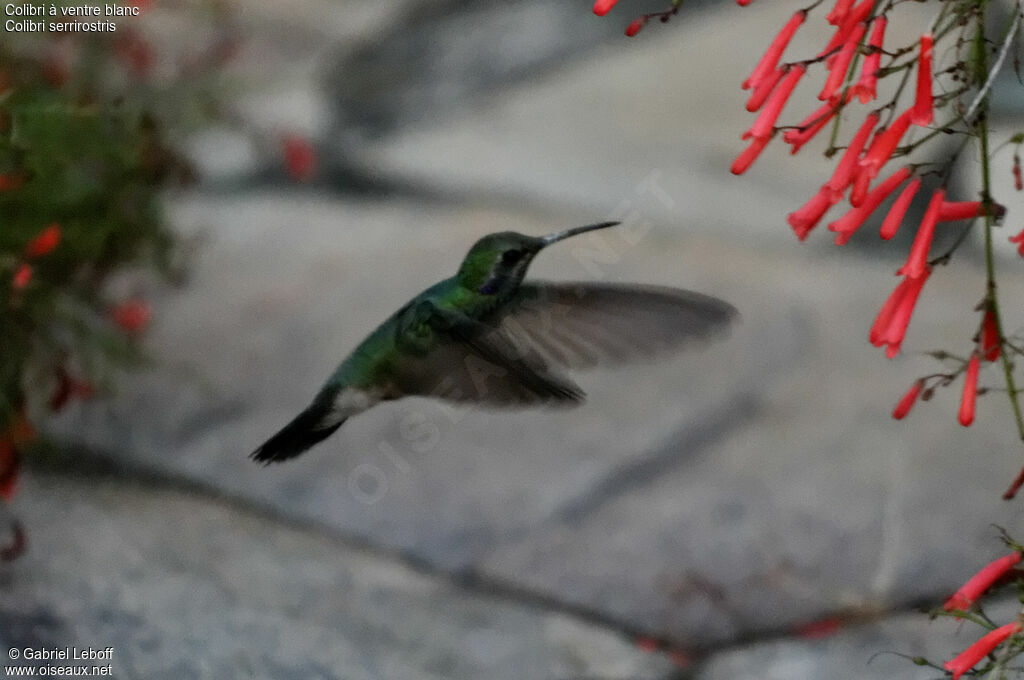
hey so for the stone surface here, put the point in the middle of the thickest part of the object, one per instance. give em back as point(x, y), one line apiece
point(184, 586)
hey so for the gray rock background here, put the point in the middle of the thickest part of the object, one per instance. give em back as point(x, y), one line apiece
point(714, 509)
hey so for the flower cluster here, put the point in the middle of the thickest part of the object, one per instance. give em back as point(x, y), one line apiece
point(965, 602)
point(852, 63)
point(84, 154)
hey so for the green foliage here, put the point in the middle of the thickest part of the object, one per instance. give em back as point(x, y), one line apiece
point(84, 146)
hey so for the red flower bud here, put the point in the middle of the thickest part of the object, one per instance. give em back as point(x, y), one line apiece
point(849, 223)
point(970, 393)
point(885, 144)
point(968, 658)
point(907, 401)
point(981, 582)
point(839, 12)
point(11, 181)
point(923, 104)
point(602, 7)
point(960, 210)
point(10, 463)
point(770, 60)
point(838, 68)
point(856, 15)
point(749, 155)
point(899, 209)
point(821, 628)
point(990, 343)
point(811, 125)
point(845, 170)
point(1019, 240)
point(44, 242)
point(867, 86)
point(635, 26)
point(22, 276)
point(917, 261)
point(861, 184)
point(890, 325)
point(765, 122)
point(808, 216)
point(299, 157)
point(763, 89)
point(132, 315)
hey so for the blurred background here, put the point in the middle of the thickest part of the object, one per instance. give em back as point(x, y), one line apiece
point(297, 171)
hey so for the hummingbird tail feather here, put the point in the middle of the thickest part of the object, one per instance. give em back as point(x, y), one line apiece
point(310, 427)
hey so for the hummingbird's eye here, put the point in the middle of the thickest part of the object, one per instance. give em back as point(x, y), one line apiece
point(511, 256)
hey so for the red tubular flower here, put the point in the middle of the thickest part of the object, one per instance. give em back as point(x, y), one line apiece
point(22, 276)
point(810, 126)
point(765, 122)
point(743, 3)
point(9, 465)
point(602, 7)
point(923, 106)
point(44, 242)
point(970, 393)
point(822, 628)
point(132, 315)
point(299, 157)
point(899, 209)
point(885, 144)
point(849, 223)
point(844, 172)
point(837, 68)
point(968, 658)
point(749, 155)
point(763, 89)
point(635, 26)
point(10, 181)
point(890, 325)
point(981, 582)
point(960, 210)
point(1019, 240)
point(867, 86)
point(990, 343)
point(907, 401)
point(808, 216)
point(770, 61)
point(856, 15)
point(917, 261)
point(861, 184)
point(839, 12)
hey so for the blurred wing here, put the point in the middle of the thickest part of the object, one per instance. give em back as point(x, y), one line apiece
point(467, 361)
point(581, 325)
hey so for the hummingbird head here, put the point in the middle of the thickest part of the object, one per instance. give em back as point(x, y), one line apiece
point(497, 263)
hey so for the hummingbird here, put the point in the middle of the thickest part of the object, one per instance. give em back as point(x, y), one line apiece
point(484, 336)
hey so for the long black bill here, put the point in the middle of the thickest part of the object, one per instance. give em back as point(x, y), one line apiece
point(566, 233)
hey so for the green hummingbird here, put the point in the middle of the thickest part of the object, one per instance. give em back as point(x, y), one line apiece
point(484, 336)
